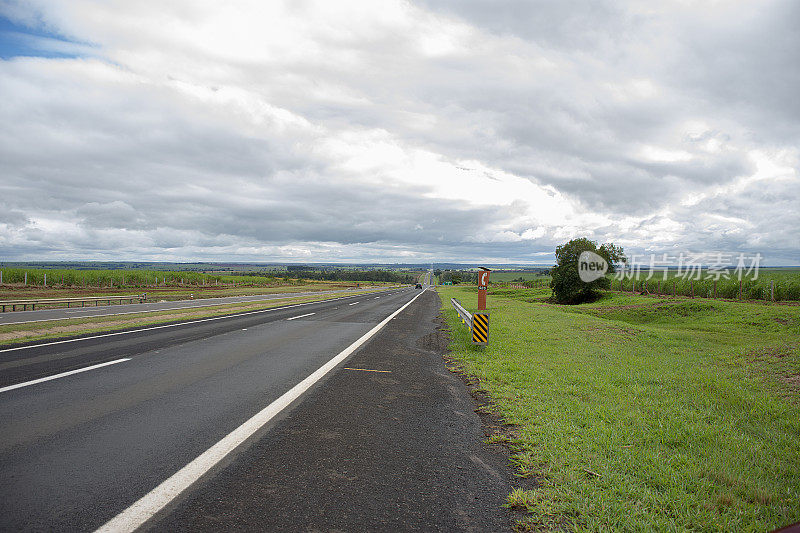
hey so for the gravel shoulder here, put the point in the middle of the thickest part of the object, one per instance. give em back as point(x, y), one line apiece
point(390, 442)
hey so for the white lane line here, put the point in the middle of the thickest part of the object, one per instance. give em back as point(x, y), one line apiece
point(174, 325)
point(300, 316)
point(377, 297)
point(155, 500)
point(63, 374)
point(354, 303)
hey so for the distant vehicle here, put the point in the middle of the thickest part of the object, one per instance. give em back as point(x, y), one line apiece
point(419, 286)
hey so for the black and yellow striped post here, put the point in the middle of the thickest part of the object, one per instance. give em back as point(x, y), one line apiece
point(480, 328)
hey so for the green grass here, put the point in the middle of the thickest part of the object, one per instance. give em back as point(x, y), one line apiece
point(782, 284)
point(644, 414)
point(506, 276)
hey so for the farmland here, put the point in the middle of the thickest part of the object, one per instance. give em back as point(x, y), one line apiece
point(502, 276)
point(780, 284)
point(31, 283)
point(635, 413)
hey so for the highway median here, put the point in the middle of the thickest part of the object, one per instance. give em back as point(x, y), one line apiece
point(12, 335)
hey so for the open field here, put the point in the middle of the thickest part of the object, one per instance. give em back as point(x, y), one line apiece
point(782, 284)
point(636, 414)
point(109, 279)
point(505, 276)
point(28, 332)
point(120, 278)
point(158, 285)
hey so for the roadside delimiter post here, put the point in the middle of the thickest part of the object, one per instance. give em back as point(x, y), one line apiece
point(483, 280)
point(480, 320)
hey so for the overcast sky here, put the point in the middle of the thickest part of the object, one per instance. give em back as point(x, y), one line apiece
point(383, 131)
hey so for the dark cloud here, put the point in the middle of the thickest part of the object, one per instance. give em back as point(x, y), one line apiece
point(433, 130)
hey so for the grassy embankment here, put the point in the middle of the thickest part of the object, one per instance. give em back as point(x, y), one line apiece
point(35, 331)
point(644, 413)
point(781, 283)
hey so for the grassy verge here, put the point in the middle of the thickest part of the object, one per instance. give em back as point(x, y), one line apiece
point(644, 414)
point(18, 333)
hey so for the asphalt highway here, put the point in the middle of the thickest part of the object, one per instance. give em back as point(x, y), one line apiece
point(20, 317)
point(391, 442)
point(77, 450)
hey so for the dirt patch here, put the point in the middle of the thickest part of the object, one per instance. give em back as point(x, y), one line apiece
point(438, 340)
point(778, 363)
point(772, 352)
point(793, 382)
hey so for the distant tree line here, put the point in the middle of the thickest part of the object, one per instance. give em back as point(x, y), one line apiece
point(388, 276)
point(456, 276)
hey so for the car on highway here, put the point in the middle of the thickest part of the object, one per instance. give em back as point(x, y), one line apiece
point(419, 286)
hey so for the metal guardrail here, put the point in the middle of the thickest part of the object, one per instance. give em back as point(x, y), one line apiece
point(53, 301)
point(477, 323)
point(466, 316)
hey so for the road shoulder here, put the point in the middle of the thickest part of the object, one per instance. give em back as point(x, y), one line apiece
point(391, 441)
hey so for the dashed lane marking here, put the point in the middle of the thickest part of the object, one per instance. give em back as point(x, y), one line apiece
point(300, 316)
point(61, 375)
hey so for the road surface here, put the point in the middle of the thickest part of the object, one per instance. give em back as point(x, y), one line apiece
point(77, 450)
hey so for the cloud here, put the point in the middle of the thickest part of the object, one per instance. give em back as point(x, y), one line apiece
point(387, 131)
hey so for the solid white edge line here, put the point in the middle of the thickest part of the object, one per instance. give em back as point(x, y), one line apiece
point(175, 325)
point(63, 374)
point(300, 316)
point(155, 500)
point(354, 303)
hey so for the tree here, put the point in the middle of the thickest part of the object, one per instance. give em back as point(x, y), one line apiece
point(566, 283)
